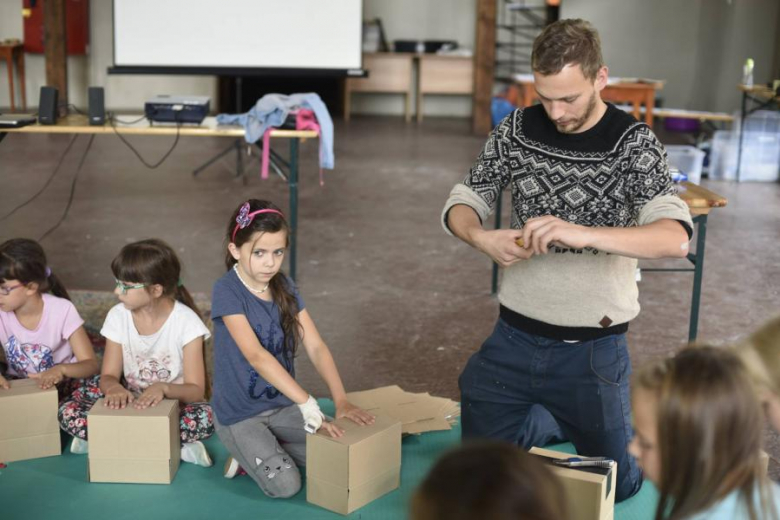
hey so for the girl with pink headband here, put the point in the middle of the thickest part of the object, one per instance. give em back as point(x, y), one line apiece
point(261, 412)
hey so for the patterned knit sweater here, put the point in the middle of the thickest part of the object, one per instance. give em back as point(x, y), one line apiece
point(614, 175)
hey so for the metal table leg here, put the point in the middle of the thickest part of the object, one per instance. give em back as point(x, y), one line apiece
point(697, 260)
point(237, 146)
point(743, 115)
point(293, 184)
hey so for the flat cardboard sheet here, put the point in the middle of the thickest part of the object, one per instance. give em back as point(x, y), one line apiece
point(418, 413)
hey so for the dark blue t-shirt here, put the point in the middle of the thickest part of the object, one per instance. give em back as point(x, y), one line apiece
point(239, 392)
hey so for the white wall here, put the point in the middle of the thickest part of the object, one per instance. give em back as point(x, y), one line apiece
point(421, 20)
point(402, 19)
point(697, 46)
point(129, 92)
point(123, 92)
point(654, 39)
point(739, 30)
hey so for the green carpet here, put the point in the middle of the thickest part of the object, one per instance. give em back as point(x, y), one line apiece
point(57, 488)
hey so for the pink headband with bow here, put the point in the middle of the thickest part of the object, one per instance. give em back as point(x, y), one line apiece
point(245, 218)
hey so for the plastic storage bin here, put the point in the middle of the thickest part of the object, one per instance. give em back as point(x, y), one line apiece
point(687, 159)
point(760, 156)
point(759, 121)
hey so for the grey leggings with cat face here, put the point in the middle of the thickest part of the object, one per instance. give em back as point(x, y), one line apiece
point(269, 447)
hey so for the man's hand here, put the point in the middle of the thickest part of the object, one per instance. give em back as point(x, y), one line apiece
point(151, 396)
point(540, 233)
point(49, 378)
point(501, 246)
point(4, 383)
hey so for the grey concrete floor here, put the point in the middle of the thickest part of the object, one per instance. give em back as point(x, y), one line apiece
point(397, 300)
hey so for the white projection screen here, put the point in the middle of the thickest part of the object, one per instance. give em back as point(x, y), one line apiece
point(219, 35)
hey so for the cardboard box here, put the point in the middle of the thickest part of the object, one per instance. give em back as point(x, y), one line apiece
point(347, 473)
point(590, 492)
point(28, 422)
point(137, 446)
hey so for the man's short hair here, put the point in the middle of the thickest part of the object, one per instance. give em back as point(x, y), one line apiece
point(567, 42)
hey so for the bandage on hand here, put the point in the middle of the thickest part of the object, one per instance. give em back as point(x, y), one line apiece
point(520, 242)
point(312, 415)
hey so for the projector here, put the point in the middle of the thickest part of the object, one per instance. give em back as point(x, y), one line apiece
point(177, 109)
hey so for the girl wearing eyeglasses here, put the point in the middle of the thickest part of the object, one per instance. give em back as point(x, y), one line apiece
point(154, 348)
point(40, 329)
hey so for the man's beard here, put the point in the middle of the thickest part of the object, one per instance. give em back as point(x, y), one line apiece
point(572, 126)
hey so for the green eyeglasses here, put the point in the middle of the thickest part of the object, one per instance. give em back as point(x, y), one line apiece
point(124, 287)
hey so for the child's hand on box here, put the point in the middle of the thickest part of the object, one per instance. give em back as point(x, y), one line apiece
point(118, 397)
point(353, 413)
point(151, 396)
point(4, 383)
point(49, 378)
point(333, 430)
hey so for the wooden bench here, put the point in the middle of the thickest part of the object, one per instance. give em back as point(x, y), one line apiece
point(700, 115)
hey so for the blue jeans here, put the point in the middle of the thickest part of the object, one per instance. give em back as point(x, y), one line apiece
point(583, 385)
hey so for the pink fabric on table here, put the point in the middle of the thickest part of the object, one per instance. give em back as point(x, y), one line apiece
point(304, 120)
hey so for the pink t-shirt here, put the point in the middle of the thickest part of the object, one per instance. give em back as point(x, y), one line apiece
point(32, 351)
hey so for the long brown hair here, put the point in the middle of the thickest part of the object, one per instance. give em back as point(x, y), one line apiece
point(281, 291)
point(153, 262)
point(710, 428)
point(489, 479)
point(24, 260)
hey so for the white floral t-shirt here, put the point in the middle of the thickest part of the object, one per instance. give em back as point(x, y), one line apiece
point(157, 358)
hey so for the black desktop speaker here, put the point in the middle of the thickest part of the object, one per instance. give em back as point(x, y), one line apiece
point(97, 107)
point(47, 106)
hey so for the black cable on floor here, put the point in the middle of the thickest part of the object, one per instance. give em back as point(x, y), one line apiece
point(164, 157)
point(51, 177)
point(72, 189)
point(134, 121)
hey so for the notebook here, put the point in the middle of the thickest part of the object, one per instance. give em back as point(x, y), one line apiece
point(16, 120)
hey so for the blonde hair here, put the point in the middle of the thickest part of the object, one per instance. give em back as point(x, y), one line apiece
point(710, 429)
point(761, 355)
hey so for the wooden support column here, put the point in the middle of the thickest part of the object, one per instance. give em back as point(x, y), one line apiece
point(484, 66)
point(55, 48)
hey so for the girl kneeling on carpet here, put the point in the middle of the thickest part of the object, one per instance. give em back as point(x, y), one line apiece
point(154, 338)
point(262, 413)
point(41, 332)
point(699, 431)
